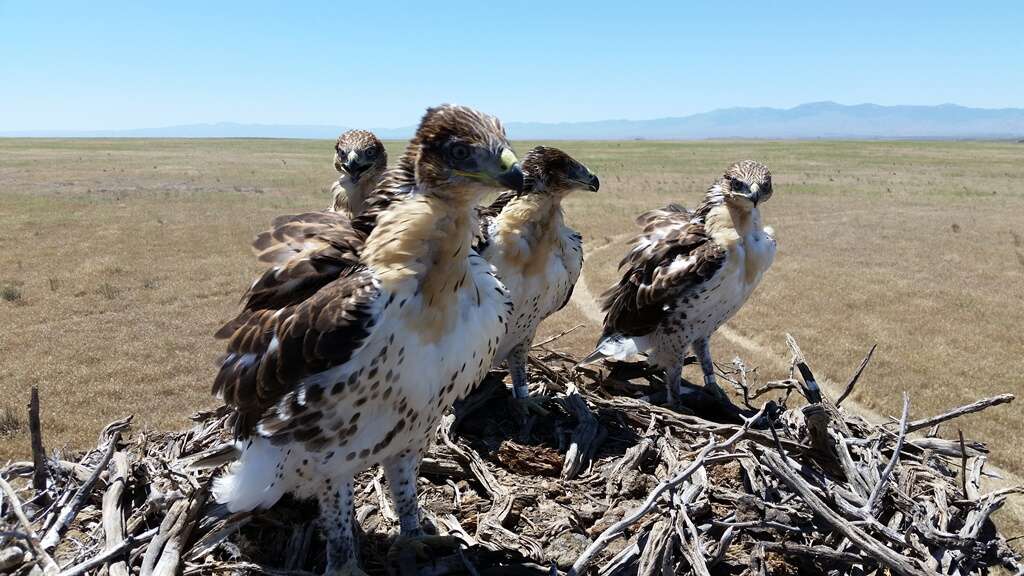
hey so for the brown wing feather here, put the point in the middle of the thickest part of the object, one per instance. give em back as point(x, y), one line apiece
point(308, 252)
point(315, 300)
point(399, 181)
point(636, 304)
point(322, 331)
point(486, 214)
point(577, 246)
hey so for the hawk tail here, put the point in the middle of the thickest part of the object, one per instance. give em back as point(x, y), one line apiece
point(615, 347)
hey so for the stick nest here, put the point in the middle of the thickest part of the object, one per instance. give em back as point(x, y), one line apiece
point(607, 483)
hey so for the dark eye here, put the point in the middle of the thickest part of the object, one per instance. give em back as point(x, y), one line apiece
point(460, 152)
point(371, 153)
point(340, 152)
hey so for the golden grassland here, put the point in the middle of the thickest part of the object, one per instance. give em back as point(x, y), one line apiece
point(119, 259)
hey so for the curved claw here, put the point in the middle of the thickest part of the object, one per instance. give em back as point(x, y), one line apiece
point(530, 406)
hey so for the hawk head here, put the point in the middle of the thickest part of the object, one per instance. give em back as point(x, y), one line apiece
point(746, 182)
point(462, 154)
point(555, 172)
point(359, 154)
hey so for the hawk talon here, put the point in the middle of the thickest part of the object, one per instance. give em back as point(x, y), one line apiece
point(530, 406)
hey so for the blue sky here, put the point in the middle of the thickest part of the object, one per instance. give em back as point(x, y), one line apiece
point(113, 65)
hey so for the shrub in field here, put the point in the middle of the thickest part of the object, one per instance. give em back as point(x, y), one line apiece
point(10, 293)
point(10, 422)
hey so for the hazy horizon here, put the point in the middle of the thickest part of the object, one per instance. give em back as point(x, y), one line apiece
point(814, 120)
point(125, 65)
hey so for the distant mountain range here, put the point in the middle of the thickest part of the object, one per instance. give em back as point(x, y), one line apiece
point(807, 121)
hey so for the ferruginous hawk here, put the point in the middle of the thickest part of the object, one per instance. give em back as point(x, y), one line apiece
point(537, 256)
point(348, 351)
point(687, 273)
point(360, 159)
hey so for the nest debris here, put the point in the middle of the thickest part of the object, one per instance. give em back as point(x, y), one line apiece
point(608, 483)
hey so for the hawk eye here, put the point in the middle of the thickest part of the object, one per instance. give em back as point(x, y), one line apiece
point(459, 152)
point(371, 153)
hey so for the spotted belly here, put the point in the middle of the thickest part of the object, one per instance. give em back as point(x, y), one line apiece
point(385, 401)
point(534, 299)
point(695, 316)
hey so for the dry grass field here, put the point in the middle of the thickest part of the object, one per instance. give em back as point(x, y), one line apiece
point(119, 258)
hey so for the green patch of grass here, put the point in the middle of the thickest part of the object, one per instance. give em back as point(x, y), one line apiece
point(108, 291)
point(11, 293)
point(10, 423)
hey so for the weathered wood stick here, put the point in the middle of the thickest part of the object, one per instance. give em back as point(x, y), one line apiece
point(961, 411)
point(585, 437)
point(814, 552)
point(617, 529)
point(40, 473)
point(856, 375)
point(113, 513)
point(883, 482)
point(167, 527)
point(811, 389)
point(108, 554)
point(659, 538)
point(68, 512)
point(24, 468)
point(561, 334)
point(691, 543)
point(443, 468)
point(897, 563)
point(42, 556)
point(174, 549)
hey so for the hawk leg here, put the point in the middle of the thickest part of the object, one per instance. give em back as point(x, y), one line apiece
point(524, 405)
point(674, 383)
point(702, 349)
point(336, 503)
point(401, 472)
point(412, 543)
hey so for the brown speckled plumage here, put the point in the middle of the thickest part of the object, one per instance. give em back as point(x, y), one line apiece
point(351, 346)
point(537, 256)
point(360, 159)
point(688, 272)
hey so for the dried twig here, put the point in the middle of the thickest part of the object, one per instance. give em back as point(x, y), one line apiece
point(856, 375)
point(48, 565)
point(960, 411)
point(821, 554)
point(68, 512)
point(113, 514)
point(585, 437)
point(897, 563)
point(883, 482)
point(620, 527)
point(109, 554)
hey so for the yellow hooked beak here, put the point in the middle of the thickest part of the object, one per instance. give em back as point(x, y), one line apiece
point(508, 159)
point(511, 175)
point(507, 172)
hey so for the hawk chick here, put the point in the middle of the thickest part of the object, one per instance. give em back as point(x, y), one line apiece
point(537, 256)
point(350, 347)
point(687, 273)
point(360, 159)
